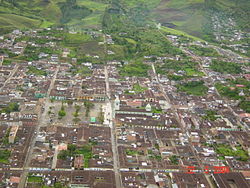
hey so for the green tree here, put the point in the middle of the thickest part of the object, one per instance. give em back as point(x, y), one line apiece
point(62, 112)
point(88, 105)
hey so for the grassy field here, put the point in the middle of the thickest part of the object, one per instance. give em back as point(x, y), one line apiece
point(196, 88)
point(179, 32)
point(180, 15)
point(9, 22)
point(35, 179)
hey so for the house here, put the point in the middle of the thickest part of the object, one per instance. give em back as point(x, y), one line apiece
point(233, 179)
point(79, 162)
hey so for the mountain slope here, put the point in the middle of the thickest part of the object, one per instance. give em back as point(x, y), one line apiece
point(195, 17)
point(75, 14)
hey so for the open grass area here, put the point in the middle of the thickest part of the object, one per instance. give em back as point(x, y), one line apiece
point(188, 69)
point(135, 69)
point(35, 179)
point(35, 71)
point(137, 88)
point(75, 39)
point(134, 3)
point(201, 51)
point(94, 5)
point(132, 152)
point(245, 105)
point(227, 91)
point(226, 150)
point(180, 15)
point(180, 33)
point(4, 156)
point(16, 21)
point(29, 14)
point(193, 88)
point(232, 90)
point(226, 67)
point(210, 115)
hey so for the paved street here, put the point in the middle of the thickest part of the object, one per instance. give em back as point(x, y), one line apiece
point(10, 76)
point(108, 116)
point(41, 122)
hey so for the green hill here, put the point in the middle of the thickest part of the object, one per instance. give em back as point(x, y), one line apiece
point(75, 14)
point(194, 17)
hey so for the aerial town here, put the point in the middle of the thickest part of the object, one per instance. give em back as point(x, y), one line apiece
point(81, 115)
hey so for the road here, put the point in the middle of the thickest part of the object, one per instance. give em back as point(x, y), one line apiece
point(184, 129)
point(199, 60)
point(41, 122)
point(108, 116)
point(10, 76)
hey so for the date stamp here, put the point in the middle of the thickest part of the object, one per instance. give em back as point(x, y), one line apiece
point(208, 169)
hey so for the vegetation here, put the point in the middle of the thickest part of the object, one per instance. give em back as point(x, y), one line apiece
point(131, 152)
point(86, 151)
point(84, 71)
point(174, 160)
point(120, 15)
point(73, 150)
point(182, 34)
point(156, 110)
point(201, 51)
point(193, 88)
point(226, 150)
point(137, 88)
point(175, 77)
point(35, 179)
point(150, 152)
point(245, 105)
point(76, 113)
point(74, 40)
point(45, 13)
point(61, 112)
point(76, 120)
point(5, 139)
point(101, 116)
point(202, 12)
point(135, 69)
point(36, 71)
point(184, 68)
point(88, 105)
point(31, 53)
point(7, 62)
point(237, 89)
point(229, 92)
point(12, 107)
point(7, 52)
point(211, 115)
point(4, 156)
point(226, 67)
point(154, 156)
point(157, 146)
point(70, 11)
point(56, 185)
